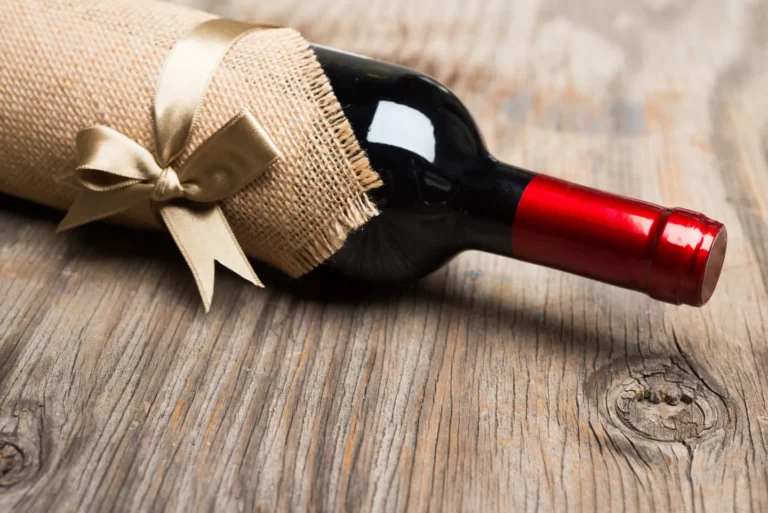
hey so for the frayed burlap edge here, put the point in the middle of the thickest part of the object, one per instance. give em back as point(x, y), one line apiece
point(360, 209)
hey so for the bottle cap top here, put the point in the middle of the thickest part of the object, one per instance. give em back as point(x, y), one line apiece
point(688, 258)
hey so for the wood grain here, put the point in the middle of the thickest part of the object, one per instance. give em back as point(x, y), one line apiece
point(492, 385)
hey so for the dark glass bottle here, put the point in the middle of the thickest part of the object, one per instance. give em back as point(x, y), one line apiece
point(443, 193)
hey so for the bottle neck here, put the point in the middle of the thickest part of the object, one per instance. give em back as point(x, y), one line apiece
point(491, 206)
point(673, 255)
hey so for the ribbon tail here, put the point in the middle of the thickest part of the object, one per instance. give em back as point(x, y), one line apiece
point(95, 205)
point(204, 236)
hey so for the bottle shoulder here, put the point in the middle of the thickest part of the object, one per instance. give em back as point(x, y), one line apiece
point(398, 106)
point(417, 134)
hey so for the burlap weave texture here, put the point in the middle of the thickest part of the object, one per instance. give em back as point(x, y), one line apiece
point(69, 64)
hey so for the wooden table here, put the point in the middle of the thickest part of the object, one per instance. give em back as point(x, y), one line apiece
point(492, 384)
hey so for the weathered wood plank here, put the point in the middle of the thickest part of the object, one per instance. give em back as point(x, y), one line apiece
point(491, 385)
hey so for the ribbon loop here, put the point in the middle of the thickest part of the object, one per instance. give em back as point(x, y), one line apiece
point(103, 149)
point(116, 173)
point(228, 160)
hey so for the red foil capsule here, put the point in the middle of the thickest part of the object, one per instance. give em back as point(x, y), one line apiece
point(673, 255)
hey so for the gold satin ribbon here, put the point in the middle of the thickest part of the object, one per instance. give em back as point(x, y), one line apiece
point(116, 173)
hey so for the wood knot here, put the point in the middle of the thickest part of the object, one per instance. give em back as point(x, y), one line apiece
point(663, 399)
point(20, 442)
point(11, 463)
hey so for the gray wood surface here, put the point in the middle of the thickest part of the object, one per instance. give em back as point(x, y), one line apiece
point(492, 385)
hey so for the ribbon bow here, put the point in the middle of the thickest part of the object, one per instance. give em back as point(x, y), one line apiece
point(116, 173)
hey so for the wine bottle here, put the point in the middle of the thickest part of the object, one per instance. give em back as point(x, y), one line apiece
point(443, 193)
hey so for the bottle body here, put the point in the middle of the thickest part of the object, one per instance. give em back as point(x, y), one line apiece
point(444, 193)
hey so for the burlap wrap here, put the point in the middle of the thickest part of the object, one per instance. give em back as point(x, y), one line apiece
point(70, 64)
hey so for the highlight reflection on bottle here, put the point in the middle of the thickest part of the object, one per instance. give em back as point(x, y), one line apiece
point(444, 193)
